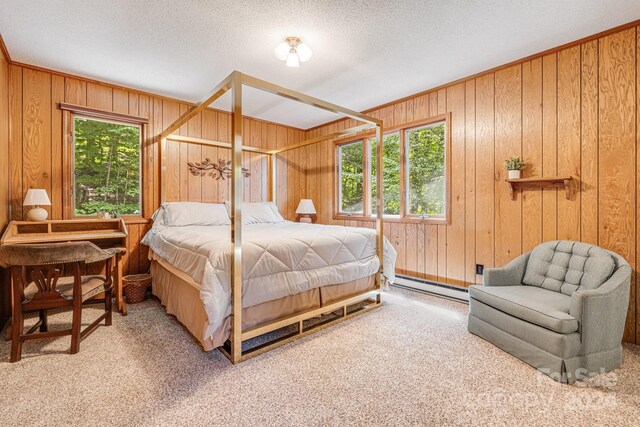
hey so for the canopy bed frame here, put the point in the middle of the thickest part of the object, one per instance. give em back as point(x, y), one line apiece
point(347, 307)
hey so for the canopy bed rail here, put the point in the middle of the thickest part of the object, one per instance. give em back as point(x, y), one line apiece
point(347, 307)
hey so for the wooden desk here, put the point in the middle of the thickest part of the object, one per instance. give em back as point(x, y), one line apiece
point(104, 233)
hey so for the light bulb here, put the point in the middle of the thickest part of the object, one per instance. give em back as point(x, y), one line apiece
point(292, 59)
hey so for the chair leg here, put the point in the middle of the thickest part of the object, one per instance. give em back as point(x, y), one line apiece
point(75, 326)
point(44, 318)
point(17, 326)
point(108, 295)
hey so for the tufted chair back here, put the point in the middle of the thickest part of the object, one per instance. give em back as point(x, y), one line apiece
point(566, 266)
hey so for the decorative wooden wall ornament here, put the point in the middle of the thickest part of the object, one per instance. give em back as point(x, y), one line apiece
point(217, 170)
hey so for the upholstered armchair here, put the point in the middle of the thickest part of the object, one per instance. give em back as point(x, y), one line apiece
point(39, 284)
point(561, 308)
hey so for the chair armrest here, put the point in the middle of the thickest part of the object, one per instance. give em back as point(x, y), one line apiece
point(602, 312)
point(509, 275)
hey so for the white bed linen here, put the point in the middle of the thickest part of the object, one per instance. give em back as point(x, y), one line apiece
point(279, 260)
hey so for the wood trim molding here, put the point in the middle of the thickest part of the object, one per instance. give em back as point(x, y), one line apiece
point(4, 50)
point(102, 114)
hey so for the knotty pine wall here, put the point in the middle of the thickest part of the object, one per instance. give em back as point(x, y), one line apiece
point(36, 140)
point(570, 112)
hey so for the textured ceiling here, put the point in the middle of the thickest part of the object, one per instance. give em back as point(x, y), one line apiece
point(365, 53)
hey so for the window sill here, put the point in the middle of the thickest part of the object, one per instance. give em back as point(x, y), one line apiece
point(127, 219)
point(394, 219)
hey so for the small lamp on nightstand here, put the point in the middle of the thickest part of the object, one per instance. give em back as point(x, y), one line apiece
point(37, 197)
point(305, 210)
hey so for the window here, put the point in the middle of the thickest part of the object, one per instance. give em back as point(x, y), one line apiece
point(414, 173)
point(351, 178)
point(106, 167)
point(390, 174)
point(426, 181)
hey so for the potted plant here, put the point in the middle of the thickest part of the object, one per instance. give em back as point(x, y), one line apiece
point(514, 165)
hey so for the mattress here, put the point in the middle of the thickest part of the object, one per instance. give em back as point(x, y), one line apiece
point(279, 259)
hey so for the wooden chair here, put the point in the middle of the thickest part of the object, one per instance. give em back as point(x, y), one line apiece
point(38, 285)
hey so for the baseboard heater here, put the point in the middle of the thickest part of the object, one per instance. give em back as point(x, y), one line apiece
point(433, 288)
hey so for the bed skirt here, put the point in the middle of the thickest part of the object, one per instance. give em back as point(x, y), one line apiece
point(181, 298)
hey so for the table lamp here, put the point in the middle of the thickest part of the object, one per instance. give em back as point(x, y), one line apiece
point(37, 197)
point(305, 210)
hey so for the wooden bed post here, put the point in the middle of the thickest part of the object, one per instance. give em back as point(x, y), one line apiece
point(236, 217)
point(380, 206)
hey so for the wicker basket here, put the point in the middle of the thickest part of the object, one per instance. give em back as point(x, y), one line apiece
point(135, 287)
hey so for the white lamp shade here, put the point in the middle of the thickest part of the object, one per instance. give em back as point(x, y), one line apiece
point(293, 60)
point(282, 51)
point(304, 53)
point(305, 207)
point(37, 197)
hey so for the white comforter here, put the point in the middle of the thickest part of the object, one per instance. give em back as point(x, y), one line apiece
point(279, 259)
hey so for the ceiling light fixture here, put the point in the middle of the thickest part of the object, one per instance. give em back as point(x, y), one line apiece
point(292, 51)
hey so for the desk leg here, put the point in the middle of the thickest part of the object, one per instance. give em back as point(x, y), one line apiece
point(122, 307)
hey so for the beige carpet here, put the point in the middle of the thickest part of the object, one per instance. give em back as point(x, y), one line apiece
point(411, 362)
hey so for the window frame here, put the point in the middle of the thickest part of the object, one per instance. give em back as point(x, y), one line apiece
point(70, 112)
point(404, 216)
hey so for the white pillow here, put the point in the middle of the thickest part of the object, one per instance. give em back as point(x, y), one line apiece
point(180, 214)
point(259, 213)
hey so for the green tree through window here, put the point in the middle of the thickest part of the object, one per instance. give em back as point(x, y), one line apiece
point(426, 163)
point(106, 167)
point(390, 174)
point(424, 170)
point(351, 178)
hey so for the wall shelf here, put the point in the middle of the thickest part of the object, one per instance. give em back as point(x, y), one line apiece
point(537, 182)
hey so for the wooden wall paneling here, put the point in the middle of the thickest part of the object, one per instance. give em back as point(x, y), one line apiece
point(532, 152)
point(75, 91)
point(144, 262)
point(170, 112)
point(470, 182)
point(224, 135)
point(636, 283)
point(485, 188)
point(617, 151)
point(120, 101)
point(455, 248)
point(247, 159)
point(36, 131)
point(442, 229)
point(281, 171)
point(99, 96)
point(15, 140)
point(264, 143)
point(133, 249)
point(508, 143)
point(292, 175)
point(569, 140)
point(257, 179)
point(549, 146)
point(158, 114)
point(589, 145)
point(142, 106)
point(134, 103)
point(57, 96)
point(194, 154)
point(210, 131)
point(183, 173)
